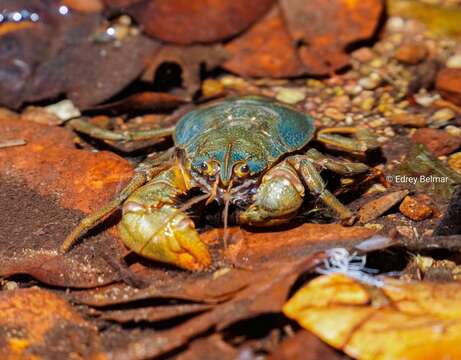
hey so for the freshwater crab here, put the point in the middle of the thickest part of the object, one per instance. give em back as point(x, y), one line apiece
point(249, 151)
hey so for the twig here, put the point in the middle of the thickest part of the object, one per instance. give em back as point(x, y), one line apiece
point(11, 143)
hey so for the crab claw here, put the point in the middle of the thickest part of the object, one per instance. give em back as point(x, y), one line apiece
point(277, 199)
point(164, 234)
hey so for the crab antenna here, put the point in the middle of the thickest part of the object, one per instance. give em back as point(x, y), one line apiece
point(227, 199)
point(194, 201)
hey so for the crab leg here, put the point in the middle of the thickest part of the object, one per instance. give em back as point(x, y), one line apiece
point(154, 227)
point(361, 142)
point(143, 173)
point(104, 134)
point(340, 167)
point(316, 185)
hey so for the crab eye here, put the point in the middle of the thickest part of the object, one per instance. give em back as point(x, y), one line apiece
point(204, 167)
point(209, 168)
point(242, 170)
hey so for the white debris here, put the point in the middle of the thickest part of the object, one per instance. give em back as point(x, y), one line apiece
point(339, 260)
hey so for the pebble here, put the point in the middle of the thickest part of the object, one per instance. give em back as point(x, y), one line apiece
point(335, 114)
point(453, 130)
point(425, 99)
point(353, 89)
point(377, 123)
point(395, 24)
point(439, 142)
point(406, 231)
point(367, 104)
point(411, 54)
point(40, 115)
point(10, 285)
point(448, 83)
point(454, 161)
point(377, 63)
point(290, 95)
point(454, 61)
point(212, 87)
point(315, 84)
point(388, 131)
point(377, 227)
point(371, 82)
point(407, 119)
point(349, 120)
point(341, 103)
point(363, 55)
point(233, 82)
point(64, 110)
point(416, 207)
point(443, 115)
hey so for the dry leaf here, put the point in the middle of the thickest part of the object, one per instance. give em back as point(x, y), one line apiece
point(198, 21)
point(265, 50)
point(37, 324)
point(324, 29)
point(419, 320)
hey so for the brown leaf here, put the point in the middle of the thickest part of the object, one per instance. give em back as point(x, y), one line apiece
point(325, 29)
point(190, 59)
point(170, 285)
point(155, 313)
point(140, 102)
point(265, 50)
point(45, 187)
point(84, 5)
point(252, 248)
point(439, 142)
point(120, 3)
point(210, 348)
point(25, 50)
point(448, 83)
point(60, 55)
point(268, 291)
point(304, 346)
point(38, 324)
point(90, 72)
point(198, 21)
point(375, 208)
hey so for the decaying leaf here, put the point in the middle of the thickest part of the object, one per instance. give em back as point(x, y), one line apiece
point(190, 60)
point(155, 313)
point(104, 65)
point(375, 208)
point(267, 293)
point(325, 29)
point(46, 185)
point(304, 346)
point(37, 324)
point(61, 55)
point(198, 21)
point(251, 248)
point(265, 50)
point(140, 102)
point(44, 164)
point(415, 320)
point(211, 348)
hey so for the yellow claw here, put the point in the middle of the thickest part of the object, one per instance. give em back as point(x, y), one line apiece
point(165, 234)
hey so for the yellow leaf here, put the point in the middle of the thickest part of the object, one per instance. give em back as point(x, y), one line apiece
point(419, 320)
